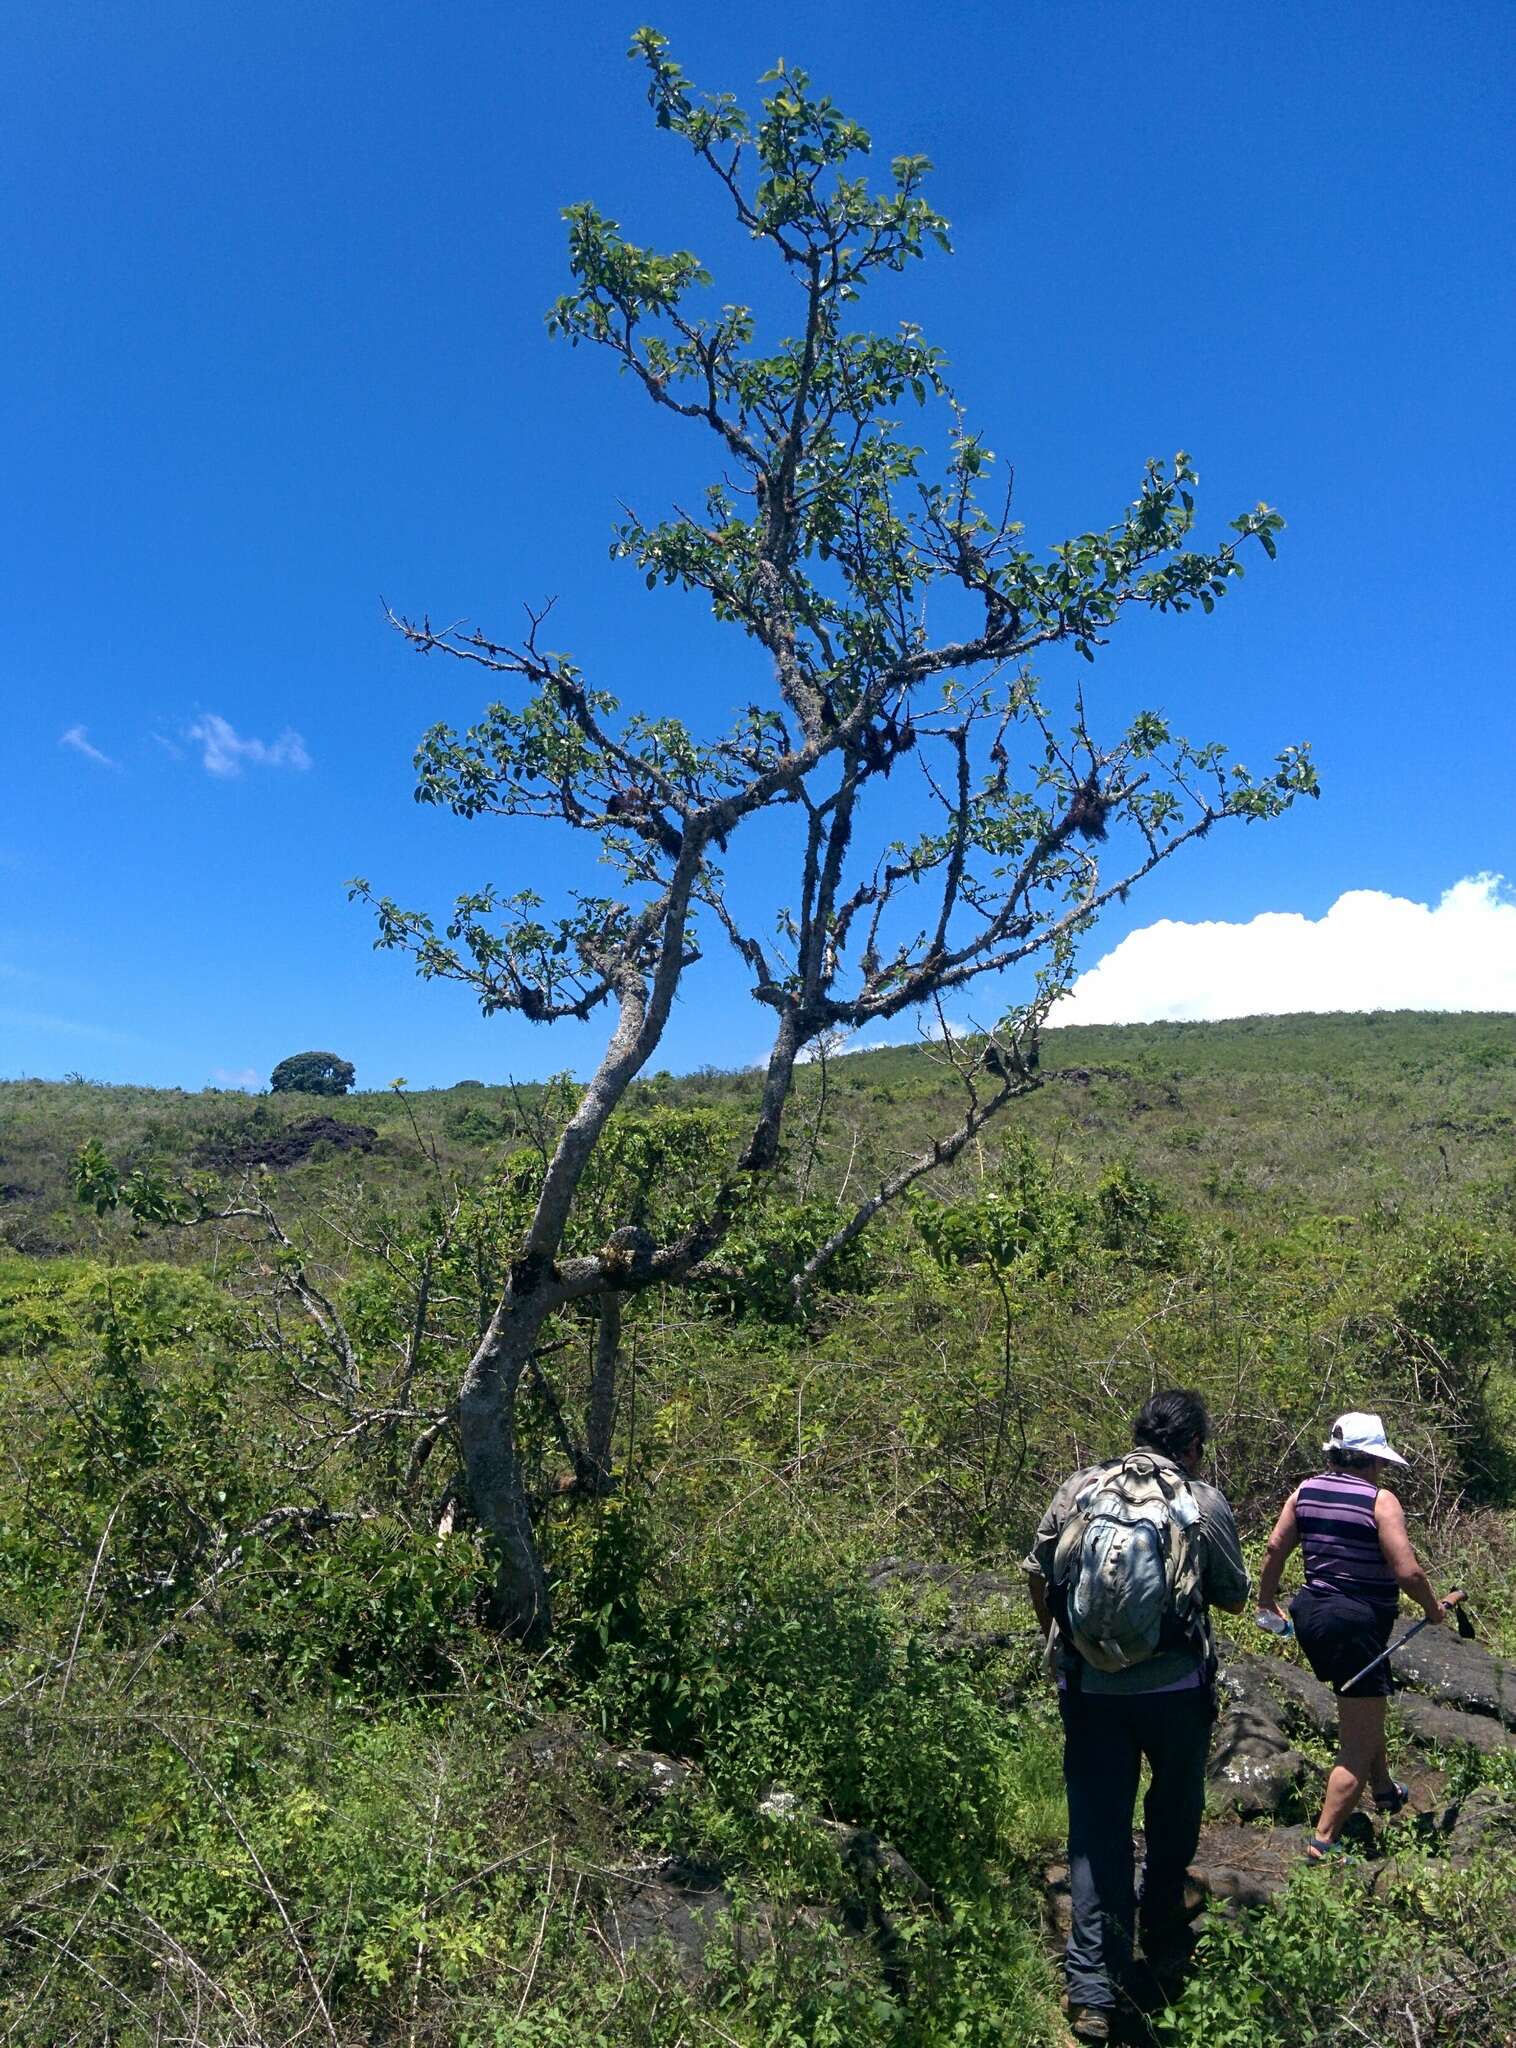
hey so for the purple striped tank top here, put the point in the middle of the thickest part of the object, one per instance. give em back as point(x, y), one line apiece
point(1335, 1516)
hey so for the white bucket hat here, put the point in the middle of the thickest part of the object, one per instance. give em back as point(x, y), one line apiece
point(1363, 1434)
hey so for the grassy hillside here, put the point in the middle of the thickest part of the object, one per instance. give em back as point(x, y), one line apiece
point(273, 1779)
point(1337, 1113)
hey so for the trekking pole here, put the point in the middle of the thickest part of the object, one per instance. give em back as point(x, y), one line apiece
point(1453, 1605)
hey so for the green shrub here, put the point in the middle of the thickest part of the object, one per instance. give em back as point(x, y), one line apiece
point(1427, 1955)
point(372, 1610)
point(773, 1674)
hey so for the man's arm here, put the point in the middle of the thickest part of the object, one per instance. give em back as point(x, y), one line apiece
point(1225, 1580)
point(1037, 1587)
point(1038, 1562)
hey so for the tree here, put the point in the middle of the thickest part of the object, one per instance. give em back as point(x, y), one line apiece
point(820, 544)
point(312, 1073)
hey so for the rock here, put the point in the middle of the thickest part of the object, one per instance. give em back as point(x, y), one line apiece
point(1428, 1721)
point(1254, 1768)
point(1304, 1701)
point(779, 1805)
point(676, 1909)
point(286, 1146)
point(1458, 1671)
point(876, 1861)
point(1483, 1820)
point(1232, 1866)
point(862, 1852)
point(1279, 1687)
point(959, 1583)
point(1244, 1866)
point(1244, 1682)
point(550, 1747)
point(1305, 1698)
point(1056, 1911)
point(646, 1773)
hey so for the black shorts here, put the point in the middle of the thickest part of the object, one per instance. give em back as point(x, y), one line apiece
point(1339, 1636)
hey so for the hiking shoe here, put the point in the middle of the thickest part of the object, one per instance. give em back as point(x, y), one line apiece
point(1393, 1799)
point(1090, 2022)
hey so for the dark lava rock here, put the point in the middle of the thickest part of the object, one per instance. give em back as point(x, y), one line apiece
point(1304, 1696)
point(1485, 1819)
point(1459, 1671)
point(1458, 1675)
point(1232, 1866)
point(646, 1775)
point(958, 1583)
point(1243, 1866)
point(862, 1851)
point(1245, 1681)
point(678, 1910)
point(677, 1907)
point(1429, 1721)
point(1254, 1768)
point(289, 1145)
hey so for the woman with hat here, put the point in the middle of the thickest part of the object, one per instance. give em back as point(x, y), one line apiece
point(1358, 1561)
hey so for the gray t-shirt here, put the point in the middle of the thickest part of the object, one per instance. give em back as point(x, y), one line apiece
point(1223, 1580)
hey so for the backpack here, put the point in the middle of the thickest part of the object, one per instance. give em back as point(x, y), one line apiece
point(1126, 1570)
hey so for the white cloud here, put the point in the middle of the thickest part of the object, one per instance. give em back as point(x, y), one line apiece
point(236, 1077)
point(77, 738)
point(224, 751)
point(1371, 951)
point(914, 1027)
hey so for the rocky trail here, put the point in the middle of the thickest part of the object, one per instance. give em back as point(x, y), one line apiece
point(1273, 1734)
point(1263, 1791)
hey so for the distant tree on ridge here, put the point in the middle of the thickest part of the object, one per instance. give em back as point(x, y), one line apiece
point(312, 1073)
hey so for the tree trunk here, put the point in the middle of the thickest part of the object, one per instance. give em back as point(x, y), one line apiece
point(519, 1601)
point(600, 1411)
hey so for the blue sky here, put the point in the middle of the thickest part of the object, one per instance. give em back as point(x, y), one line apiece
point(272, 346)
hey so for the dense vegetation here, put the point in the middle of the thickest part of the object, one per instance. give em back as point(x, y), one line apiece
point(272, 1778)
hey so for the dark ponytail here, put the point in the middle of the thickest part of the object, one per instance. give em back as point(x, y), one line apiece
point(1170, 1422)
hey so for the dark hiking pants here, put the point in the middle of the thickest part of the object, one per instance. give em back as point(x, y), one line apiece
point(1105, 1738)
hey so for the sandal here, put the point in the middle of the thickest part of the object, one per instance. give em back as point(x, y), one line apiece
point(1393, 1799)
point(1317, 1851)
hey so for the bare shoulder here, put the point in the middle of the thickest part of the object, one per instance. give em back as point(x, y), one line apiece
point(1387, 1505)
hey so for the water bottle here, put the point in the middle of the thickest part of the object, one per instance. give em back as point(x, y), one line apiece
point(1276, 1624)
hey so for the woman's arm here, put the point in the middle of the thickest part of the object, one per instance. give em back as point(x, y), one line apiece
point(1286, 1534)
point(1395, 1542)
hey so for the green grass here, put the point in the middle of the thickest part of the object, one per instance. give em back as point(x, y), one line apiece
point(323, 1760)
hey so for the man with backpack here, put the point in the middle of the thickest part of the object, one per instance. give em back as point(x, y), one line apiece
point(1127, 1560)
